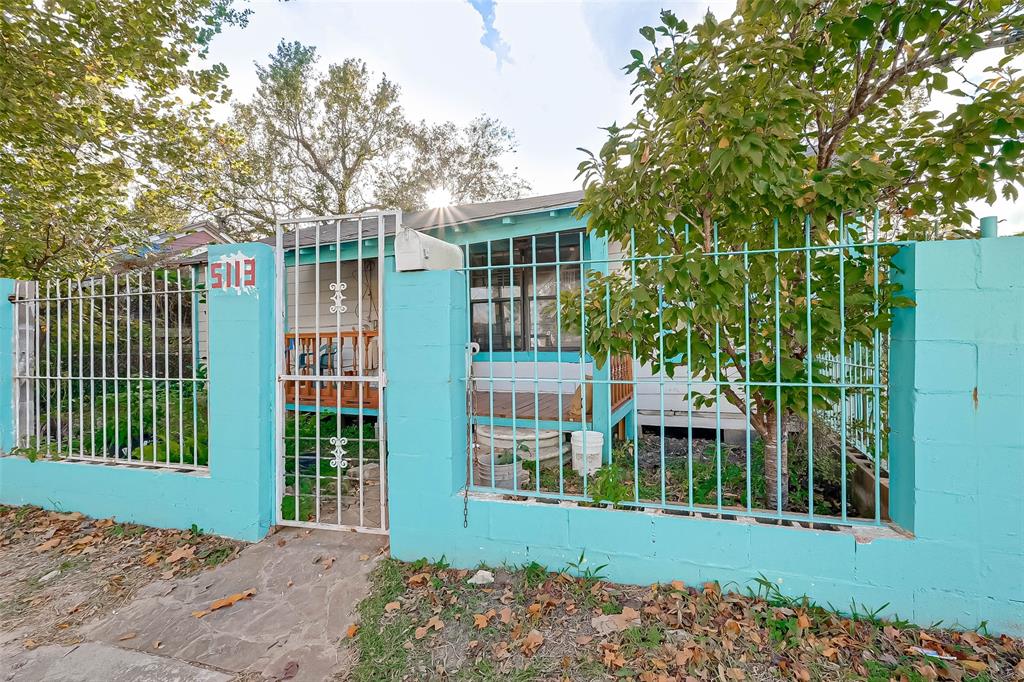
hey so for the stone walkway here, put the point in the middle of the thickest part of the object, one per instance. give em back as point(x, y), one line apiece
point(306, 584)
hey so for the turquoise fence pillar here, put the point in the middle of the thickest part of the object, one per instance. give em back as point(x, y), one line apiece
point(6, 365)
point(242, 372)
point(425, 327)
point(902, 370)
point(601, 418)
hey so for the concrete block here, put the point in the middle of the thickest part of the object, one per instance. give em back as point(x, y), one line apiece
point(946, 367)
point(717, 544)
point(1001, 369)
point(529, 524)
point(945, 418)
point(947, 517)
point(1000, 419)
point(951, 609)
point(946, 265)
point(1003, 522)
point(908, 564)
point(1002, 575)
point(801, 551)
point(1000, 470)
point(1002, 263)
point(617, 533)
point(947, 468)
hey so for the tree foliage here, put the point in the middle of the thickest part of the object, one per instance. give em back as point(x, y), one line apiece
point(787, 125)
point(317, 142)
point(102, 107)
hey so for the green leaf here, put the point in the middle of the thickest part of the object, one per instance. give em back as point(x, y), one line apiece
point(860, 28)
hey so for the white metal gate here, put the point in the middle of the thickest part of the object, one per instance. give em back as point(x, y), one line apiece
point(331, 441)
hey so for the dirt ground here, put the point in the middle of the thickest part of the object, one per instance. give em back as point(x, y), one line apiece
point(427, 622)
point(59, 570)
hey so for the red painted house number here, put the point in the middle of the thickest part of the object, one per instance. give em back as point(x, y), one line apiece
point(233, 273)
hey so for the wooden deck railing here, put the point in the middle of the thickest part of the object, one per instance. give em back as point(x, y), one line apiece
point(621, 370)
point(337, 355)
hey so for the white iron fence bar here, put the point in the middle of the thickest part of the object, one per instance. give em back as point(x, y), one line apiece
point(103, 358)
point(381, 376)
point(338, 468)
point(360, 369)
point(296, 407)
point(319, 354)
point(92, 371)
point(63, 401)
point(117, 372)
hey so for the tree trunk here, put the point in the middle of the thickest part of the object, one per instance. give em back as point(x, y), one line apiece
point(772, 470)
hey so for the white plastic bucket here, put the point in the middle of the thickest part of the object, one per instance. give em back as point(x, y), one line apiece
point(595, 444)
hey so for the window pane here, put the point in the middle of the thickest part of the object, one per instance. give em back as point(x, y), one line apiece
point(495, 327)
point(517, 283)
point(547, 328)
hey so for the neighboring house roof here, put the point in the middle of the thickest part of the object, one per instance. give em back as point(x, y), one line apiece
point(183, 246)
point(431, 219)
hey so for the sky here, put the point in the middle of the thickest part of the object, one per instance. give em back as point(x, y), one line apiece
point(552, 71)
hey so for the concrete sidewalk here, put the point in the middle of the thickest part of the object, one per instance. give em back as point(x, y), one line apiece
point(307, 584)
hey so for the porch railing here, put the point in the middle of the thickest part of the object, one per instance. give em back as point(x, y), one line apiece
point(331, 353)
point(621, 375)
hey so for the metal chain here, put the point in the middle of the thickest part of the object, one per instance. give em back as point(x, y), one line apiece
point(472, 349)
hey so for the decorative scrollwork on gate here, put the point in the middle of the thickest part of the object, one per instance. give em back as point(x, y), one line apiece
point(339, 452)
point(338, 297)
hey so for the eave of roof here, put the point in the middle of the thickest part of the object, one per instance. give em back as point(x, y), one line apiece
point(331, 232)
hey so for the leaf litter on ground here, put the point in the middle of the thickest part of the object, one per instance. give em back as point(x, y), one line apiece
point(59, 569)
point(435, 625)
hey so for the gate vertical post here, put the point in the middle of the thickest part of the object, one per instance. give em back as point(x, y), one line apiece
point(425, 354)
point(242, 376)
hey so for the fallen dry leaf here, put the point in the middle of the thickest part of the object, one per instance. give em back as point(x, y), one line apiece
point(185, 552)
point(328, 562)
point(126, 636)
point(615, 622)
point(392, 606)
point(480, 620)
point(352, 630)
point(532, 642)
point(421, 632)
point(151, 559)
point(976, 666)
point(225, 602)
point(49, 544)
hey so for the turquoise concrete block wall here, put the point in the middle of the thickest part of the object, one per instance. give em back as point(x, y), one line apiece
point(235, 497)
point(957, 393)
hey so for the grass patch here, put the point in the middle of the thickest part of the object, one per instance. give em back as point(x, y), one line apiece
point(381, 654)
point(425, 621)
